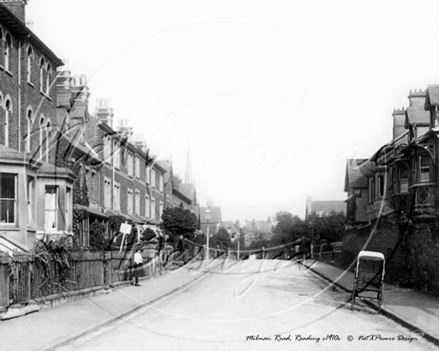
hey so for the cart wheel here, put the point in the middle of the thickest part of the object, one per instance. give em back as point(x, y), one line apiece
point(353, 295)
point(380, 300)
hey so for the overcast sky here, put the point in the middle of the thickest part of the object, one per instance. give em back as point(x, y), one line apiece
point(272, 96)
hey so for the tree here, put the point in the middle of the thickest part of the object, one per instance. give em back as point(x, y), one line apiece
point(221, 239)
point(288, 229)
point(179, 221)
point(328, 227)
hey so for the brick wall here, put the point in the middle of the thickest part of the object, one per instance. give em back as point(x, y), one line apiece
point(411, 259)
point(30, 96)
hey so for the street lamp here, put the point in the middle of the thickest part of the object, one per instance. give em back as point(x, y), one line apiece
point(207, 218)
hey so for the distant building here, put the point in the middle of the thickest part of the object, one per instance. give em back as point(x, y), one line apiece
point(324, 208)
point(214, 222)
point(257, 230)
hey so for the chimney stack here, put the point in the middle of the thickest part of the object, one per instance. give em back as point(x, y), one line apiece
point(16, 7)
point(398, 121)
point(124, 130)
point(139, 142)
point(104, 111)
point(417, 98)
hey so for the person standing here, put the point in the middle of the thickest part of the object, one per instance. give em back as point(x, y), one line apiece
point(138, 260)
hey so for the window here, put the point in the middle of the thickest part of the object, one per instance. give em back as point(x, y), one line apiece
point(48, 132)
point(380, 185)
point(29, 63)
point(153, 178)
point(8, 112)
point(403, 180)
point(41, 136)
point(51, 208)
point(138, 167)
point(130, 201)
point(48, 78)
point(117, 155)
point(130, 164)
point(161, 182)
point(147, 206)
point(424, 168)
point(116, 196)
point(42, 74)
point(107, 193)
point(29, 129)
point(68, 211)
point(30, 201)
point(153, 209)
point(7, 52)
point(8, 198)
point(137, 202)
point(160, 209)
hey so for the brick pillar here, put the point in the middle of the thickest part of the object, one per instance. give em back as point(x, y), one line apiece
point(4, 280)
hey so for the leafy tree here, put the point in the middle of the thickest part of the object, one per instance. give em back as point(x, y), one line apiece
point(97, 237)
point(179, 221)
point(328, 227)
point(221, 239)
point(147, 235)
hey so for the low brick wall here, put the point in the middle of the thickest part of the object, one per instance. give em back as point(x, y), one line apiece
point(410, 250)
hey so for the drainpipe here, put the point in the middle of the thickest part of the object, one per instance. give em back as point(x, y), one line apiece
point(20, 43)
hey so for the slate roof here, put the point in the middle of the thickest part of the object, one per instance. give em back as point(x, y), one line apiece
point(432, 95)
point(355, 173)
point(416, 115)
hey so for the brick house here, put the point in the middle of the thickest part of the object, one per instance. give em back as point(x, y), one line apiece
point(392, 197)
point(35, 194)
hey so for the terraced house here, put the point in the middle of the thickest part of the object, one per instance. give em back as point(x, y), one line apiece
point(63, 170)
point(35, 195)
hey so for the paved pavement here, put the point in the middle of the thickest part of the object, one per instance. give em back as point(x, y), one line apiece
point(52, 327)
point(415, 310)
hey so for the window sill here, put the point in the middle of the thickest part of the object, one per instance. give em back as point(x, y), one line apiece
point(31, 84)
point(8, 73)
point(12, 227)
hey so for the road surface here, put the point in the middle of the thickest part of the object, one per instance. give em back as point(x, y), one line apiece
point(254, 305)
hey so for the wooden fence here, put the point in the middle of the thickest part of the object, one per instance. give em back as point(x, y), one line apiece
point(25, 277)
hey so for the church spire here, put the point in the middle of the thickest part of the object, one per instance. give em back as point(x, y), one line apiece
point(189, 178)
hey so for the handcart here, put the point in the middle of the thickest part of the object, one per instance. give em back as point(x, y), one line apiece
point(368, 277)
